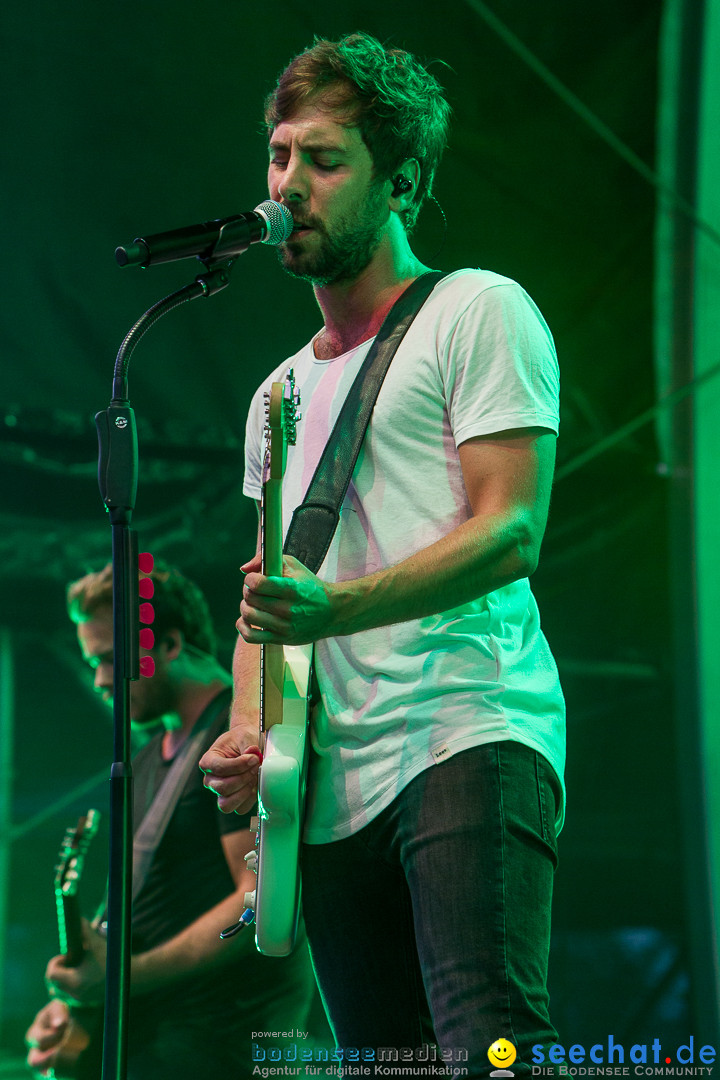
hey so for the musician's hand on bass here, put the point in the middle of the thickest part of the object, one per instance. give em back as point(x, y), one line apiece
point(85, 983)
point(231, 769)
point(46, 1033)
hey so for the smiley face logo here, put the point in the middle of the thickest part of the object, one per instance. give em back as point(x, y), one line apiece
point(502, 1053)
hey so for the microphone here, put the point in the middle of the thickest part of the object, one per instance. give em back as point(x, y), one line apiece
point(268, 223)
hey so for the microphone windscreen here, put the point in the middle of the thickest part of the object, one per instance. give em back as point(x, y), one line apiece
point(279, 221)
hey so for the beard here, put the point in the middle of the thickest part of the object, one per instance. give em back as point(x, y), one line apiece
point(151, 702)
point(340, 255)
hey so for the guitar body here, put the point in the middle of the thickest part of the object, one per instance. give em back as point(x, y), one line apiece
point(281, 798)
point(285, 690)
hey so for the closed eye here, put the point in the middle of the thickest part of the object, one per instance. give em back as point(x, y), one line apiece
point(324, 166)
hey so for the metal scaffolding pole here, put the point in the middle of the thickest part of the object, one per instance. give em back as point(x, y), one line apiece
point(7, 730)
point(686, 349)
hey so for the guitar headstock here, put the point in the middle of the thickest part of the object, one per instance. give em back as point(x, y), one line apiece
point(72, 854)
point(282, 414)
point(67, 879)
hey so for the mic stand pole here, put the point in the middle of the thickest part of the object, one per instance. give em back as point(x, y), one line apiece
point(117, 477)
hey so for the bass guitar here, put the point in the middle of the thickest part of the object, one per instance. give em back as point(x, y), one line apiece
point(79, 1055)
point(284, 697)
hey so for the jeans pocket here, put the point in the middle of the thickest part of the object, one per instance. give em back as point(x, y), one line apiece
point(549, 795)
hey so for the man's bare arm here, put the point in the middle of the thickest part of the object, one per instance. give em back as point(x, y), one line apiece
point(231, 763)
point(198, 947)
point(195, 949)
point(508, 479)
point(231, 772)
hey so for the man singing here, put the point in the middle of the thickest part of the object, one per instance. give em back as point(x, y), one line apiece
point(435, 789)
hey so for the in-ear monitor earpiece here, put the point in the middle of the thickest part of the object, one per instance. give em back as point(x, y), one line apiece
point(402, 186)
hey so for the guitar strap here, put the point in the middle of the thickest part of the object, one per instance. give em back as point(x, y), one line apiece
point(157, 816)
point(314, 522)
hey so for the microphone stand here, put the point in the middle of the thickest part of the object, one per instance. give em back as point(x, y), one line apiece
point(117, 477)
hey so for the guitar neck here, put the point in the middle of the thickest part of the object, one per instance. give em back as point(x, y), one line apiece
point(70, 930)
point(272, 528)
point(282, 401)
point(272, 655)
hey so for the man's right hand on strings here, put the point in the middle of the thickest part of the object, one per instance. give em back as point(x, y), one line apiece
point(231, 769)
point(45, 1034)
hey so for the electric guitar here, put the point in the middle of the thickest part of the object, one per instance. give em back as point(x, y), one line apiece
point(284, 692)
point(78, 1056)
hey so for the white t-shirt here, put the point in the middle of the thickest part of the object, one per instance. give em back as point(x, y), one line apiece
point(396, 700)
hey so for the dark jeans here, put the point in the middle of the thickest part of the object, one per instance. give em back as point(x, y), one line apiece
point(443, 900)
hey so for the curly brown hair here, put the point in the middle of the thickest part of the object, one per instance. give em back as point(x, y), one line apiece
point(178, 603)
point(399, 107)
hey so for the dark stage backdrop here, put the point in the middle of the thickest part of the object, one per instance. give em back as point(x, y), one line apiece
point(135, 117)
